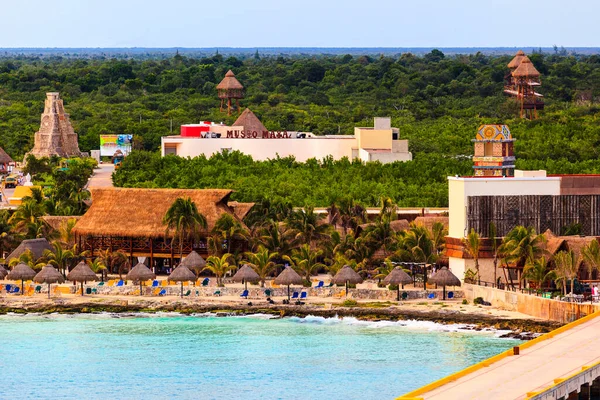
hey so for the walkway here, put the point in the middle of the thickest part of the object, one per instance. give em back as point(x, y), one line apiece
point(102, 176)
point(534, 369)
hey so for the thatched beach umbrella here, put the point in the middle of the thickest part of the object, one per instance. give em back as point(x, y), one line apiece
point(21, 272)
point(181, 274)
point(446, 278)
point(397, 277)
point(288, 277)
point(140, 273)
point(194, 262)
point(3, 272)
point(347, 275)
point(246, 274)
point(49, 275)
point(82, 273)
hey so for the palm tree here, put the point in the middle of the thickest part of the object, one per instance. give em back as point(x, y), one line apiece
point(98, 267)
point(26, 219)
point(472, 245)
point(226, 230)
point(278, 237)
point(304, 261)
point(591, 255)
point(219, 266)
point(65, 232)
point(566, 268)
point(381, 235)
point(438, 233)
point(184, 218)
point(538, 272)
point(59, 257)
point(417, 244)
point(351, 215)
point(521, 245)
point(113, 260)
point(493, 232)
point(262, 262)
point(28, 258)
point(308, 225)
point(388, 209)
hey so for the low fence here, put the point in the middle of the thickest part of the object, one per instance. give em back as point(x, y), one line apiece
point(538, 307)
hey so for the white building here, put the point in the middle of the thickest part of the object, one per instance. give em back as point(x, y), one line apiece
point(248, 135)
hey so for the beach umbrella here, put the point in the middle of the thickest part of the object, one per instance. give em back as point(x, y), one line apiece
point(182, 274)
point(48, 275)
point(445, 278)
point(140, 273)
point(194, 262)
point(397, 277)
point(246, 274)
point(21, 272)
point(347, 275)
point(3, 272)
point(82, 273)
point(288, 277)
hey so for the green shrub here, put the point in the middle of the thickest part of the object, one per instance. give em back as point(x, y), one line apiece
point(349, 303)
point(478, 300)
point(306, 283)
point(465, 301)
point(393, 287)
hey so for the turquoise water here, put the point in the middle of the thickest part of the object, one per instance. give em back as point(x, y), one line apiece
point(200, 357)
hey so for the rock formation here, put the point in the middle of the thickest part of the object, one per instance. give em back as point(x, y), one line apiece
point(56, 135)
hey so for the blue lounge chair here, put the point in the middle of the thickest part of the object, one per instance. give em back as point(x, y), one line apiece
point(303, 295)
point(8, 287)
point(244, 294)
point(320, 284)
point(120, 283)
point(15, 290)
point(295, 295)
point(431, 296)
point(162, 292)
point(205, 282)
point(450, 295)
point(217, 293)
point(155, 283)
point(268, 292)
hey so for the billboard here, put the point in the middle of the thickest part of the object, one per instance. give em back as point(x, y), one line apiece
point(109, 144)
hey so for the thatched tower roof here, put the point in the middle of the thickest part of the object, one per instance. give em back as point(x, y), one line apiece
point(247, 274)
point(140, 212)
point(288, 277)
point(36, 246)
point(250, 122)
point(140, 273)
point(48, 274)
point(4, 157)
point(526, 69)
point(347, 274)
point(21, 271)
point(82, 273)
point(514, 63)
point(444, 277)
point(182, 274)
point(397, 277)
point(229, 82)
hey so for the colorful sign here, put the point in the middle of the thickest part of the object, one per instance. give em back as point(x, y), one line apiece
point(109, 144)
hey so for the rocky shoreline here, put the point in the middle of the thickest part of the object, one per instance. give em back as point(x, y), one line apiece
point(523, 329)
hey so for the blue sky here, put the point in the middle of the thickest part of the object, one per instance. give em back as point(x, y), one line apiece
point(305, 23)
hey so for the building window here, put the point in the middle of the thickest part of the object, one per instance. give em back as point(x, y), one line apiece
point(171, 150)
point(489, 149)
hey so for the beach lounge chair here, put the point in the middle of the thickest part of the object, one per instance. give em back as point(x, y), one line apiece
point(120, 283)
point(111, 283)
point(217, 293)
point(431, 296)
point(38, 289)
point(303, 295)
point(244, 294)
point(156, 291)
point(15, 290)
point(88, 290)
point(100, 284)
point(268, 293)
point(320, 284)
point(94, 291)
point(294, 295)
point(162, 292)
point(450, 295)
point(187, 293)
point(155, 283)
point(330, 284)
point(404, 295)
point(340, 294)
point(8, 287)
point(205, 282)
point(165, 283)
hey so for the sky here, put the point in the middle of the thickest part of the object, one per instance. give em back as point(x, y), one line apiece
point(305, 23)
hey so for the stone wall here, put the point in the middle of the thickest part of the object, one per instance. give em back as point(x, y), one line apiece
point(535, 306)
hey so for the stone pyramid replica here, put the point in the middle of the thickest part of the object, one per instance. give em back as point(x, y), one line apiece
point(250, 122)
point(56, 135)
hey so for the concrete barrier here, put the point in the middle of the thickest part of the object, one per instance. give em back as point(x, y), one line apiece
point(538, 307)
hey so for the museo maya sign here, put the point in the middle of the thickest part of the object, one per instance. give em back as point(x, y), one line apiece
point(237, 134)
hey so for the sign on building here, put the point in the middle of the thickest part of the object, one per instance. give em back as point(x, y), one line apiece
point(109, 144)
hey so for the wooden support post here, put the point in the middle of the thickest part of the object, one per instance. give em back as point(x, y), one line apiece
point(152, 255)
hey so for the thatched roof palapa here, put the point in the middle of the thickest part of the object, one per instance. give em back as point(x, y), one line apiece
point(193, 261)
point(246, 274)
point(57, 222)
point(347, 275)
point(21, 272)
point(428, 222)
point(229, 82)
point(516, 61)
point(139, 212)
point(288, 277)
point(526, 69)
point(250, 122)
point(48, 274)
point(182, 274)
point(140, 273)
point(397, 277)
point(4, 157)
point(444, 277)
point(36, 246)
point(240, 209)
point(82, 273)
point(3, 272)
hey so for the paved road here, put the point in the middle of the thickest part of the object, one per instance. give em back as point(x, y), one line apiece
point(533, 370)
point(102, 176)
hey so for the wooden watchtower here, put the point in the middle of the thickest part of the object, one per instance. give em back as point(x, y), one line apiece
point(230, 89)
point(521, 83)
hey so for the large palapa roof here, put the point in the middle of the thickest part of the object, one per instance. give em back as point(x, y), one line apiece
point(229, 82)
point(140, 212)
point(250, 122)
point(36, 246)
point(526, 69)
point(240, 209)
point(4, 157)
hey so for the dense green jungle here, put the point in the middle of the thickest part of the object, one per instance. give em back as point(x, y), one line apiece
point(436, 101)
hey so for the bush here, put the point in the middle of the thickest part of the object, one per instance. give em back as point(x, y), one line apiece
point(478, 300)
point(349, 303)
point(393, 287)
point(465, 301)
point(306, 283)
